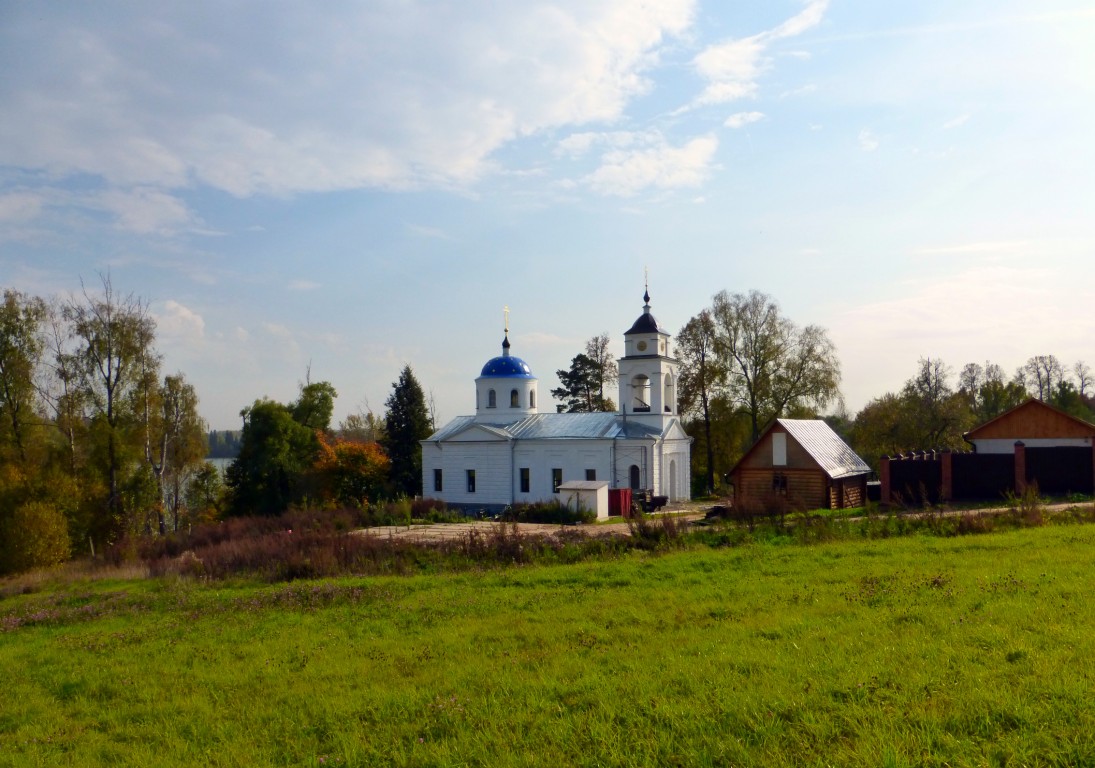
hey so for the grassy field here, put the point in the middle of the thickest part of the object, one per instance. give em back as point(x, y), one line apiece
point(976, 650)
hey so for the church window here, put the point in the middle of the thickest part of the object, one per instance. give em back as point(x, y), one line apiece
point(525, 480)
point(591, 474)
point(556, 480)
point(532, 398)
point(514, 399)
point(471, 480)
point(437, 480)
point(635, 481)
point(492, 399)
point(670, 394)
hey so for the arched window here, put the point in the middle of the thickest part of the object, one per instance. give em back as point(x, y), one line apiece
point(670, 394)
point(514, 399)
point(532, 398)
point(640, 390)
point(634, 479)
point(492, 399)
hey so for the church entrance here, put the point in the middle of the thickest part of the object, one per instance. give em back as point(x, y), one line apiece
point(636, 480)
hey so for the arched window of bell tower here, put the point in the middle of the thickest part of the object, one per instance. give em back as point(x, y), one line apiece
point(670, 394)
point(640, 390)
point(514, 399)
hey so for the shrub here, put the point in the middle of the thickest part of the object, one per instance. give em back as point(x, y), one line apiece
point(652, 534)
point(550, 513)
point(1027, 507)
point(33, 536)
point(434, 511)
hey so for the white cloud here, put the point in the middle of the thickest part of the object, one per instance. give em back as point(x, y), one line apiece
point(867, 141)
point(578, 144)
point(283, 340)
point(20, 207)
point(403, 95)
point(143, 210)
point(304, 285)
point(732, 68)
point(957, 121)
point(985, 312)
point(742, 119)
point(179, 323)
point(984, 247)
point(659, 165)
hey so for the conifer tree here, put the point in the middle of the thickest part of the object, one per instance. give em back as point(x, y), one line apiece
point(407, 422)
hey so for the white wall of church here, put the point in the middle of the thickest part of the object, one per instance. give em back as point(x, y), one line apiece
point(498, 465)
point(489, 461)
point(540, 457)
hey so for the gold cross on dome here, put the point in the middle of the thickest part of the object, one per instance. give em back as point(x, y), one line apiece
point(505, 311)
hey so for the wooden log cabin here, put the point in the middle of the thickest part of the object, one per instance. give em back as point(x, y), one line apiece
point(799, 464)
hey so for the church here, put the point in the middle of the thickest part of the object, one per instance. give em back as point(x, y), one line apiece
point(510, 453)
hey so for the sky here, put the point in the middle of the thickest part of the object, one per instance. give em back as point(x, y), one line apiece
point(337, 190)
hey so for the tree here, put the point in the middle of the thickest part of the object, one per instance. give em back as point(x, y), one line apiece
point(702, 375)
point(1042, 375)
point(115, 335)
point(771, 364)
point(934, 415)
point(315, 404)
point(59, 386)
point(351, 473)
point(276, 452)
point(606, 372)
point(987, 392)
point(204, 494)
point(362, 427)
point(581, 387)
point(879, 429)
point(1083, 377)
point(927, 413)
point(180, 445)
point(405, 424)
point(21, 347)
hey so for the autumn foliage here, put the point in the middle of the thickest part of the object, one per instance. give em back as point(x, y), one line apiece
point(350, 473)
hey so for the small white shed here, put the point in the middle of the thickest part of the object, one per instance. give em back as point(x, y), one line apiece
point(591, 495)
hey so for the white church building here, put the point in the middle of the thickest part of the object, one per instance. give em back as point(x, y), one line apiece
point(510, 453)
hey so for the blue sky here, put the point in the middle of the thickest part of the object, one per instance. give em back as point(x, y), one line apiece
point(355, 186)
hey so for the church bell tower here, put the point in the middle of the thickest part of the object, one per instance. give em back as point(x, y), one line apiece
point(648, 373)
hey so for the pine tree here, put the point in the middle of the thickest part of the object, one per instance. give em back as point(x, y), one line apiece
point(407, 422)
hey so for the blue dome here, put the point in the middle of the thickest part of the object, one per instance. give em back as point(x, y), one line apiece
point(507, 367)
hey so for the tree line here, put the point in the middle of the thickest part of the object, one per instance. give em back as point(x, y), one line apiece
point(290, 456)
point(98, 445)
point(935, 407)
point(96, 442)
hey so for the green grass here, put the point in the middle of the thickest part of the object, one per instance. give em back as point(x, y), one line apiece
point(912, 651)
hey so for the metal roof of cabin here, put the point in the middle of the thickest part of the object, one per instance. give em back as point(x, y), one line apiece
point(825, 447)
point(556, 426)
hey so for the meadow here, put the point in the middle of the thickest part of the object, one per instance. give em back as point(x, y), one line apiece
point(919, 650)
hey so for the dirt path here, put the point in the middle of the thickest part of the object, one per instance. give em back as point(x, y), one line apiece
point(449, 531)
